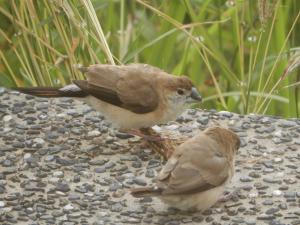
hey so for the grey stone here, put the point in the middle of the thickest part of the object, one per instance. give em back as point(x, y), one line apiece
point(100, 170)
point(265, 217)
point(62, 186)
point(146, 200)
point(123, 135)
point(283, 206)
point(2, 204)
point(98, 162)
point(295, 222)
point(287, 124)
point(153, 163)
point(271, 211)
point(137, 164)
point(64, 161)
point(115, 186)
point(7, 163)
point(150, 173)
point(110, 165)
point(116, 207)
point(245, 179)
point(203, 120)
point(289, 194)
point(73, 197)
point(76, 178)
point(140, 181)
point(254, 174)
point(225, 114)
point(272, 180)
point(268, 202)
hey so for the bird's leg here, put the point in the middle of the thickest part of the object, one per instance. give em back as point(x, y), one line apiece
point(164, 147)
point(154, 136)
point(147, 137)
point(229, 195)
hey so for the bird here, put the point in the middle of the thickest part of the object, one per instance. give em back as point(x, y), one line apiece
point(195, 176)
point(131, 96)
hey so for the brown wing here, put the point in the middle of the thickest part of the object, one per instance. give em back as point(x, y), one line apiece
point(136, 90)
point(198, 167)
point(104, 94)
point(130, 87)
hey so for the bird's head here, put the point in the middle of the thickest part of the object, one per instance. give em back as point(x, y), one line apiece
point(180, 91)
point(225, 137)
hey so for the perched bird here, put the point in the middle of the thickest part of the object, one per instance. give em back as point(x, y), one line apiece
point(195, 175)
point(131, 96)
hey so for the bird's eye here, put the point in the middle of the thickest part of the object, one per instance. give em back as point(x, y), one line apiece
point(180, 91)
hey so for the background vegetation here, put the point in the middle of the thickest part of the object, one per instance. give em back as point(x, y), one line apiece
point(243, 55)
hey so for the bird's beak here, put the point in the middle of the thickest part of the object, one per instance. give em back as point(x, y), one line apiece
point(195, 96)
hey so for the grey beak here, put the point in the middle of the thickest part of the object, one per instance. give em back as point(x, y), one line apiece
point(195, 95)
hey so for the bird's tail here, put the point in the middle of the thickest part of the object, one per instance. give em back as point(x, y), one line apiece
point(145, 191)
point(51, 92)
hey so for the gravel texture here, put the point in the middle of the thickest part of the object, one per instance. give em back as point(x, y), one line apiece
point(62, 163)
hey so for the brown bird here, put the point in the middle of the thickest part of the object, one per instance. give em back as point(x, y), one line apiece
point(195, 175)
point(132, 96)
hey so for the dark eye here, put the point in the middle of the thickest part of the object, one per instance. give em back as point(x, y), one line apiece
point(180, 91)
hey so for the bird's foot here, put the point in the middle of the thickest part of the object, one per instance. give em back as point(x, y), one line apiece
point(153, 138)
point(147, 137)
point(163, 146)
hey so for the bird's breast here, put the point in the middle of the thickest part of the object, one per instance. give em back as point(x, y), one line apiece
point(173, 111)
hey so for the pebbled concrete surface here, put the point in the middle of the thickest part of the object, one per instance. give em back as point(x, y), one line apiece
point(62, 163)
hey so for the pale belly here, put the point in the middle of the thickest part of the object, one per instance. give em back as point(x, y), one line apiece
point(125, 119)
point(199, 201)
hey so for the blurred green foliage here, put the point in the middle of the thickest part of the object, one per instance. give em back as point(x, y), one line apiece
point(243, 55)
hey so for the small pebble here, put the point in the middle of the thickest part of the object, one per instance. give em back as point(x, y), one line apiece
point(278, 160)
point(253, 195)
point(93, 133)
point(2, 204)
point(59, 174)
point(68, 207)
point(277, 193)
point(7, 118)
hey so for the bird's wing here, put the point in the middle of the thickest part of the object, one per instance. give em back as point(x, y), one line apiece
point(198, 167)
point(137, 92)
point(102, 93)
point(130, 87)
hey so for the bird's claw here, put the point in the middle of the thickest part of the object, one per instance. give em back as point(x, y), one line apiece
point(146, 137)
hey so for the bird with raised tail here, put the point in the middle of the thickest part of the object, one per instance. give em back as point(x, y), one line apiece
point(131, 96)
point(195, 176)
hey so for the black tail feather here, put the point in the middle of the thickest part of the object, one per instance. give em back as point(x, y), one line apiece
point(50, 92)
